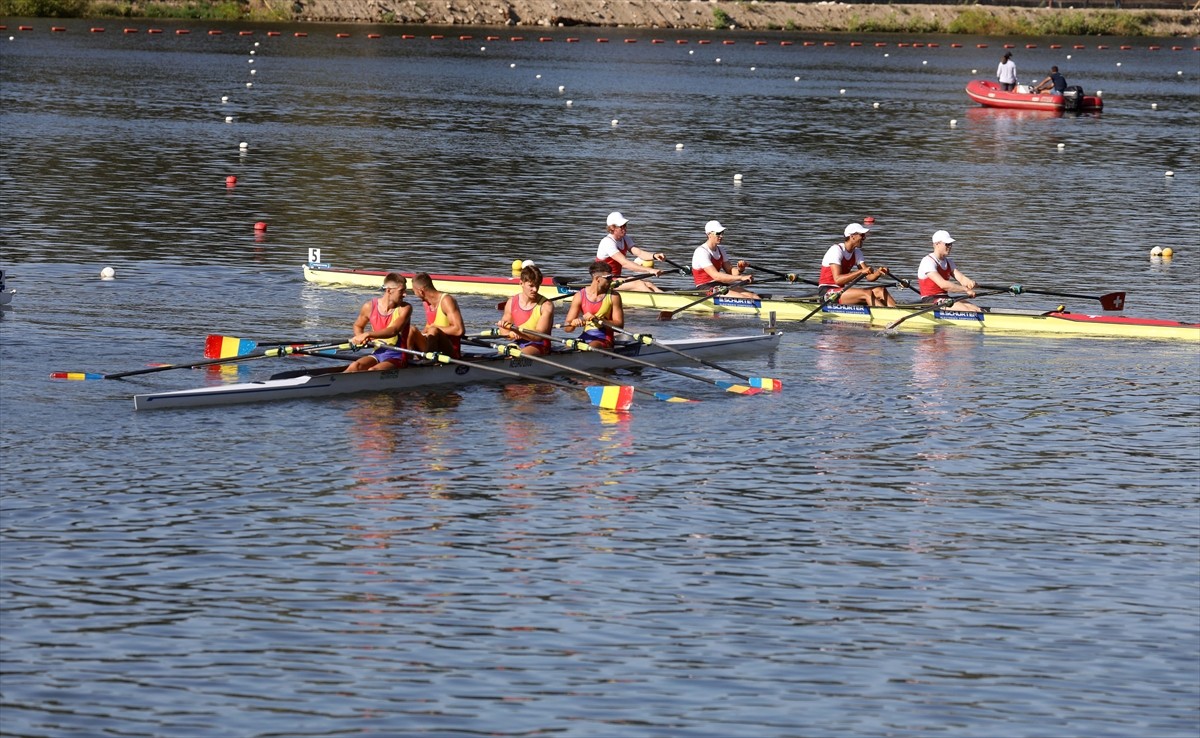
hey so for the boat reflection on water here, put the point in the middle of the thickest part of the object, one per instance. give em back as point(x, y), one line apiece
point(943, 373)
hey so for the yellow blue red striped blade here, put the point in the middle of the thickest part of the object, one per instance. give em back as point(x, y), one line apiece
point(766, 384)
point(740, 389)
point(75, 375)
point(611, 397)
point(224, 347)
point(671, 398)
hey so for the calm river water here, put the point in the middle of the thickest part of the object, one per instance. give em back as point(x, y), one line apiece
point(925, 533)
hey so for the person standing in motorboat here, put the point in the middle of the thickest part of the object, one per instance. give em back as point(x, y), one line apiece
point(1006, 73)
point(1055, 83)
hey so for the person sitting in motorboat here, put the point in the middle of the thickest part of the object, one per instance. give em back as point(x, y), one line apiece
point(1055, 83)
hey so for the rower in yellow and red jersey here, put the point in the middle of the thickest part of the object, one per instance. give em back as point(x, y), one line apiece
point(443, 321)
point(384, 319)
point(529, 310)
point(595, 303)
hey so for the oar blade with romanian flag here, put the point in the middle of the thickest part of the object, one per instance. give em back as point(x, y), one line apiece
point(611, 397)
point(224, 347)
point(736, 388)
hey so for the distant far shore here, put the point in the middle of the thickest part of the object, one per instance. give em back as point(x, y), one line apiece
point(829, 17)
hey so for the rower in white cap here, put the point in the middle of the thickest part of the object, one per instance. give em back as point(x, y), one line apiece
point(940, 277)
point(712, 267)
point(843, 266)
point(616, 248)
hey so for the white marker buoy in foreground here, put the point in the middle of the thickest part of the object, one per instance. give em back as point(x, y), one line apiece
point(1156, 251)
point(876, 105)
point(679, 147)
point(243, 146)
point(615, 122)
point(108, 273)
point(1169, 173)
point(737, 178)
point(953, 122)
point(1061, 147)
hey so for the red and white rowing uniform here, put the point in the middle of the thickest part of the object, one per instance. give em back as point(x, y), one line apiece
point(608, 249)
point(837, 254)
point(702, 258)
point(945, 269)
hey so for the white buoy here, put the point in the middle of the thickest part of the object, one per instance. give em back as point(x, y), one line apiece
point(483, 48)
point(718, 60)
point(886, 56)
point(1156, 251)
point(537, 76)
point(1154, 106)
point(1068, 56)
point(795, 79)
point(255, 44)
point(10, 38)
point(841, 91)
point(224, 98)
point(1061, 147)
point(108, 273)
point(615, 122)
point(229, 119)
point(512, 66)
point(923, 62)
point(974, 71)
point(876, 105)
point(252, 52)
point(249, 61)
point(243, 145)
point(953, 122)
point(1169, 173)
point(249, 84)
point(1099, 93)
point(253, 71)
point(691, 51)
point(737, 178)
point(561, 88)
point(1180, 72)
point(1118, 64)
point(679, 147)
point(570, 103)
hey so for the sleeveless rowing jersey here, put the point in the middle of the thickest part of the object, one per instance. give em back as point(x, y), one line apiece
point(602, 309)
point(435, 316)
point(381, 320)
point(930, 264)
point(702, 257)
point(837, 254)
point(609, 247)
point(528, 319)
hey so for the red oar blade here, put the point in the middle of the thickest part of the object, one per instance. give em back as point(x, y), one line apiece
point(611, 397)
point(666, 315)
point(224, 347)
point(1113, 301)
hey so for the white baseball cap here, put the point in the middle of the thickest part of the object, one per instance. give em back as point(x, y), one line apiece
point(854, 228)
point(616, 219)
point(713, 226)
point(942, 237)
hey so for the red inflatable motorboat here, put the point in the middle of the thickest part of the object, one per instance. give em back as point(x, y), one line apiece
point(988, 93)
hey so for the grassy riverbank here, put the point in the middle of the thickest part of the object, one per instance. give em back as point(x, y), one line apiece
point(786, 16)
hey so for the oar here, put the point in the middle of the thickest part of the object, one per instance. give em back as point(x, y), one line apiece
point(904, 283)
point(832, 296)
point(217, 346)
point(788, 277)
point(581, 345)
point(281, 351)
point(944, 303)
point(1110, 301)
point(764, 383)
point(668, 314)
point(609, 397)
point(513, 351)
point(567, 284)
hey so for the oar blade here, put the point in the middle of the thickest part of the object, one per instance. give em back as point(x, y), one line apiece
point(739, 389)
point(224, 347)
point(76, 376)
point(671, 398)
point(666, 315)
point(1113, 301)
point(611, 397)
point(766, 384)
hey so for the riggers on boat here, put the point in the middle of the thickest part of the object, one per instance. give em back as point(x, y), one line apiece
point(991, 94)
point(326, 381)
point(1048, 322)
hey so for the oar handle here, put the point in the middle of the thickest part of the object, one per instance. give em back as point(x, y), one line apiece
point(788, 277)
point(832, 296)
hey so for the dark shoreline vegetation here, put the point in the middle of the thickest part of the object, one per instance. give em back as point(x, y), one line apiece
point(968, 20)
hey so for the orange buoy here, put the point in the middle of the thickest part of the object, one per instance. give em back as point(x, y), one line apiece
point(407, 36)
point(260, 226)
point(879, 44)
point(601, 40)
point(1010, 46)
point(1031, 46)
point(96, 30)
point(785, 43)
point(465, 37)
point(517, 38)
point(230, 181)
point(493, 38)
point(657, 41)
point(981, 46)
point(1154, 48)
point(1056, 46)
point(902, 45)
point(153, 30)
point(58, 29)
point(681, 41)
point(918, 45)
point(932, 46)
point(24, 28)
point(856, 43)
point(245, 33)
point(437, 37)
point(215, 32)
point(760, 43)
point(704, 41)
point(129, 30)
point(544, 39)
point(727, 42)
point(572, 40)
point(810, 43)
point(374, 35)
point(341, 35)
point(300, 34)
point(631, 40)
point(181, 31)
point(956, 46)
point(1126, 48)
point(831, 43)
point(274, 33)
point(1079, 46)
point(1102, 47)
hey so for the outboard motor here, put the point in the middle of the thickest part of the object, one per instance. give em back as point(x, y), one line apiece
point(1073, 97)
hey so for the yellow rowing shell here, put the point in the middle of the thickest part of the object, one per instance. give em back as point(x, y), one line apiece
point(1010, 321)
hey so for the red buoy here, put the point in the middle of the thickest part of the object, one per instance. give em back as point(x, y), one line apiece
point(260, 226)
point(230, 181)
